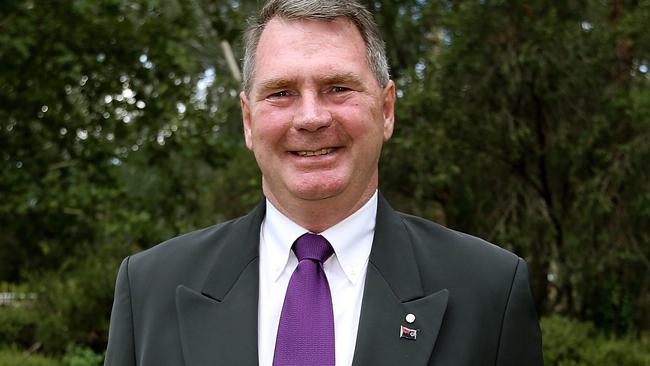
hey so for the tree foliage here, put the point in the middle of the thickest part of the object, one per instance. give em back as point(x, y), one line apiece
point(531, 129)
point(526, 123)
point(115, 116)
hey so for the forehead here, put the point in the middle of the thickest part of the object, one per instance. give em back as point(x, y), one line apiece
point(278, 25)
point(305, 47)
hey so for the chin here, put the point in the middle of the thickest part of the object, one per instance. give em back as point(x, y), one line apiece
point(316, 194)
point(318, 191)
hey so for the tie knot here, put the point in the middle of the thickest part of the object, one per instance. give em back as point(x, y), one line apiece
point(312, 246)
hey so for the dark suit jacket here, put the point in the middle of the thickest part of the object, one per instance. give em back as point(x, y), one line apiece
point(193, 300)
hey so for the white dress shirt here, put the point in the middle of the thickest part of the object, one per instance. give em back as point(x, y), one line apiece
point(345, 271)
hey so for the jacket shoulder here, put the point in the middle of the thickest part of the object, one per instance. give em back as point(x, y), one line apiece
point(435, 238)
point(182, 259)
point(184, 245)
point(463, 263)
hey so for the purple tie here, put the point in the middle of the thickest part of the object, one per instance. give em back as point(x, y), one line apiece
point(306, 329)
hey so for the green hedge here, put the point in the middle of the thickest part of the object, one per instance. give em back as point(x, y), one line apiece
point(82, 356)
point(75, 356)
point(569, 342)
point(17, 326)
point(74, 304)
point(14, 357)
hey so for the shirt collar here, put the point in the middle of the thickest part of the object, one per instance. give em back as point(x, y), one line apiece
point(351, 238)
point(278, 233)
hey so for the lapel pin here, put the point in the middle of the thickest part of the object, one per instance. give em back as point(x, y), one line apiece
point(407, 333)
point(410, 318)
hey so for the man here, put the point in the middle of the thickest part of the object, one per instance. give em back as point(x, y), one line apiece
point(384, 289)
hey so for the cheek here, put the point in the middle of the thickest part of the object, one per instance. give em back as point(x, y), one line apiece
point(360, 123)
point(269, 127)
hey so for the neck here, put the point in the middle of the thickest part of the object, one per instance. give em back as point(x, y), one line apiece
point(319, 215)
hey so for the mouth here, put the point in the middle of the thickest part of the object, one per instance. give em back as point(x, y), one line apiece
point(320, 152)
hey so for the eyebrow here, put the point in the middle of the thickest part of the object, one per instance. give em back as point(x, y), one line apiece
point(342, 78)
point(272, 84)
point(345, 78)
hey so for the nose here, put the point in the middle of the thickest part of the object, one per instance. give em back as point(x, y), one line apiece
point(311, 113)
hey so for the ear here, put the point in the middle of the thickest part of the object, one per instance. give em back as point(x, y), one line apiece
point(244, 103)
point(389, 109)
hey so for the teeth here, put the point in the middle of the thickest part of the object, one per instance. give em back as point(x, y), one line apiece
point(315, 153)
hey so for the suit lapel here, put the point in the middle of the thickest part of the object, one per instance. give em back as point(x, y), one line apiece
point(393, 289)
point(218, 324)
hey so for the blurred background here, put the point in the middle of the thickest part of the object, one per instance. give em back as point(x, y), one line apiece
point(523, 122)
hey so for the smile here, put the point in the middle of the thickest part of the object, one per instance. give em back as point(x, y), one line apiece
point(315, 153)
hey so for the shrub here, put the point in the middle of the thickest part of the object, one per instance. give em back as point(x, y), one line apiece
point(81, 356)
point(17, 324)
point(74, 304)
point(621, 352)
point(569, 342)
point(14, 357)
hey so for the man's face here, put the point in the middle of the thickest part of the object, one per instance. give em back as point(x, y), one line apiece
point(316, 117)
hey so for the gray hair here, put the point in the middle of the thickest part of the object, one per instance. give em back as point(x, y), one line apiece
point(325, 10)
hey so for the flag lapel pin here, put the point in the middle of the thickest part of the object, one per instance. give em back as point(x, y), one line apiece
point(408, 333)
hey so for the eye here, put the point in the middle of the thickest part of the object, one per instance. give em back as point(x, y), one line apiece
point(280, 94)
point(339, 89)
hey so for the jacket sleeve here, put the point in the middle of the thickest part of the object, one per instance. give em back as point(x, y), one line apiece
point(520, 342)
point(121, 346)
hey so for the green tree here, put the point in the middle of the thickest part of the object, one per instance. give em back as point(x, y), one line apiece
point(119, 123)
point(537, 114)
